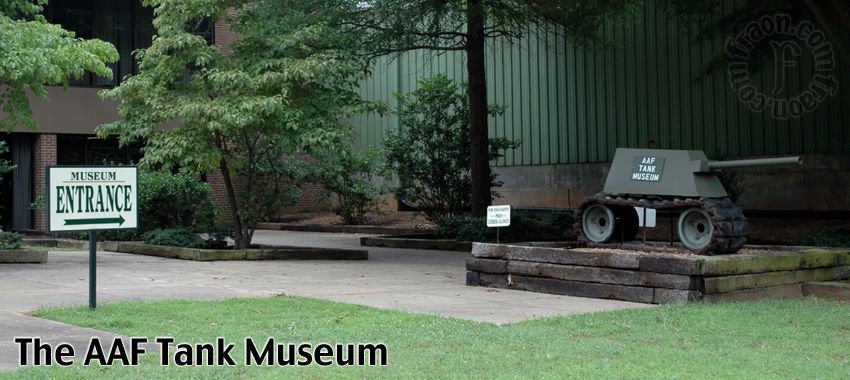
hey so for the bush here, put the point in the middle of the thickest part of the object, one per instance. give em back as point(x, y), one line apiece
point(110, 235)
point(169, 200)
point(833, 237)
point(464, 228)
point(10, 240)
point(539, 225)
point(430, 151)
point(349, 176)
point(525, 226)
point(175, 237)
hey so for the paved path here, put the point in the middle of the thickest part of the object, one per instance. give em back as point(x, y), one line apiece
point(413, 280)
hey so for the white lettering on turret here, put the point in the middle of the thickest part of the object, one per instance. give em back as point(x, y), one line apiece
point(647, 168)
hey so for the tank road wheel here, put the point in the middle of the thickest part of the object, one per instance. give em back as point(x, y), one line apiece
point(597, 222)
point(695, 229)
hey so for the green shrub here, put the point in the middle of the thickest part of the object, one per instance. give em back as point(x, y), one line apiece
point(539, 225)
point(464, 228)
point(349, 176)
point(525, 226)
point(169, 200)
point(430, 151)
point(175, 237)
point(10, 240)
point(832, 237)
point(116, 235)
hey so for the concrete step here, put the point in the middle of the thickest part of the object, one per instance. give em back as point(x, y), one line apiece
point(837, 290)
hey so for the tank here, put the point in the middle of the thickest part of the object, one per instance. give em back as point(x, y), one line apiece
point(684, 182)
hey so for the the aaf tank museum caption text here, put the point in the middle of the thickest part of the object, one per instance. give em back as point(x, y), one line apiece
point(127, 351)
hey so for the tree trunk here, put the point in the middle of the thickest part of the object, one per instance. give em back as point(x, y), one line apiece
point(478, 139)
point(241, 240)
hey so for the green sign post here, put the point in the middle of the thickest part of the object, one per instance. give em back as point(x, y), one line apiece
point(92, 198)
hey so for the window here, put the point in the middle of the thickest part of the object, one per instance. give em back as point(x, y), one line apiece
point(125, 23)
point(205, 29)
point(91, 150)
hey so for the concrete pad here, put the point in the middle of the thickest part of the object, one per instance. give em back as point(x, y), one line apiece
point(399, 279)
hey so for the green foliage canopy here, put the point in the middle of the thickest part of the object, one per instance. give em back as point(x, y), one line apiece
point(35, 54)
point(245, 110)
point(396, 26)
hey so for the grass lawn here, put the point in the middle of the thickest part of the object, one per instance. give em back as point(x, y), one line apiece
point(776, 339)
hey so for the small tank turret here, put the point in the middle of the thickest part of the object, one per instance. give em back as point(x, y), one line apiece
point(682, 181)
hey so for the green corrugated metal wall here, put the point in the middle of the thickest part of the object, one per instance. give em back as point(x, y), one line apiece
point(571, 105)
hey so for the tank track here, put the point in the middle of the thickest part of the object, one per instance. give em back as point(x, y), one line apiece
point(730, 224)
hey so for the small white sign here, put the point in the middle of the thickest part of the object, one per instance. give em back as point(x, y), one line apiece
point(498, 216)
point(85, 198)
point(650, 216)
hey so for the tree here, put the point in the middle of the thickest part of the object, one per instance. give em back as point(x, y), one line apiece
point(430, 149)
point(35, 54)
point(248, 114)
point(396, 26)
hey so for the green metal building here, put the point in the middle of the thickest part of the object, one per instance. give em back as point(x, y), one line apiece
point(572, 107)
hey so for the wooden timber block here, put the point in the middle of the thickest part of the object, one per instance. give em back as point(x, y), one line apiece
point(781, 291)
point(486, 265)
point(581, 289)
point(763, 280)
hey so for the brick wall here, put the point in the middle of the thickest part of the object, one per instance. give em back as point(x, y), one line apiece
point(224, 36)
point(44, 155)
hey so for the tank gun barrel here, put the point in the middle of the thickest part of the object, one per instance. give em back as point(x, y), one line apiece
point(755, 162)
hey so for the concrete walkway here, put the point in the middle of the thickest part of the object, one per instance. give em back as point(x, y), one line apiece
point(412, 280)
